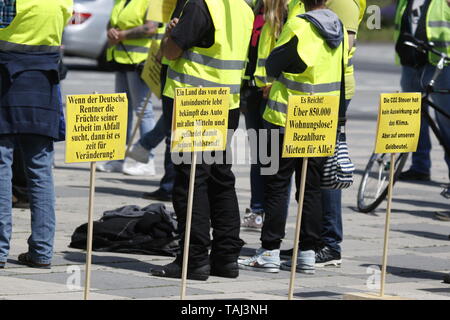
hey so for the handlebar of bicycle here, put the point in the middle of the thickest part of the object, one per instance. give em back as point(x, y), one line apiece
point(425, 47)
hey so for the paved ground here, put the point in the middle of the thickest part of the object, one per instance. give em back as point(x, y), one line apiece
point(419, 244)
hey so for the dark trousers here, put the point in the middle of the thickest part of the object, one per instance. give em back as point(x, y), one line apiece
point(252, 106)
point(276, 199)
point(215, 205)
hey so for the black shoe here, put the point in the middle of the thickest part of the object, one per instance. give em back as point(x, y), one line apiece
point(158, 195)
point(327, 257)
point(173, 270)
point(411, 175)
point(229, 270)
point(2, 265)
point(286, 254)
point(25, 258)
point(447, 278)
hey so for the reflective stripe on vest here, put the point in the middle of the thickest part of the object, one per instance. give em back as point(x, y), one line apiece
point(223, 64)
point(18, 47)
point(212, 62)
point(437, 26)
point(198, 82)
point(310, 88)
point(37, 26)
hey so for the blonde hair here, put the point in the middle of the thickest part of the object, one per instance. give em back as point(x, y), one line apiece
point(275, 11)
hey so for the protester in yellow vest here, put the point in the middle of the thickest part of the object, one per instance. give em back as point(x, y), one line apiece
point(429, 21)
point(351, 13)
point(140, 151)
point(270, 16)
point(129, 38)
point(207, 49)
point(308, 59)
point(30, 116)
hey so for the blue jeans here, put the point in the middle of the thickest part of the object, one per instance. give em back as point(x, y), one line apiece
point(413, 80)
point(37, 153)
point(332, 230)
point(130, 82)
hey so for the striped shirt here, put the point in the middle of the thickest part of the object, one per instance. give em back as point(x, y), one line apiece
point(7, 12)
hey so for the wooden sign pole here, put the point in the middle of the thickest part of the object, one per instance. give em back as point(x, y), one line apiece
point(387, 224)
point(87, 282)
point(187, 232)
point(301, 196)
point(139, 121)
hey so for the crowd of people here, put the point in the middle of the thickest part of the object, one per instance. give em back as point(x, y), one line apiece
point(264, 51)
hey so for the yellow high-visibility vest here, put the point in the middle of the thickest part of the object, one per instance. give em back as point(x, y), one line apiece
point(130, 51)
point(267, 43)
point(223, 64)
point(323, 73)
point(37, 26)
point(437, 26)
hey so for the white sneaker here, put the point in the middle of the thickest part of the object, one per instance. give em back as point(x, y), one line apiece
point(263, 261)
point(134, 168)
point(110, 166)
point(139, 153)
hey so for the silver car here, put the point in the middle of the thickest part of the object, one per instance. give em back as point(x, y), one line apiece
point(85, 35)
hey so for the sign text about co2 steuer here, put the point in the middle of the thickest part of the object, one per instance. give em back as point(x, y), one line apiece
point(398, 123)
point(96, 127)
point(311, 126)
point(200, 119)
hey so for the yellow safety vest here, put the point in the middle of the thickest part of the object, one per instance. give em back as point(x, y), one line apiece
point(323, 73)
point(37, 27)
point(437, 26)
point(223, 64)
point(267, 43)
point(130, 51)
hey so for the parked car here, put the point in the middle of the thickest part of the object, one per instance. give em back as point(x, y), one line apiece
point(85, 35)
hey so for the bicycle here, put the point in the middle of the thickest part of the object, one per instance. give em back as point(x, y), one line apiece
point(374, 184)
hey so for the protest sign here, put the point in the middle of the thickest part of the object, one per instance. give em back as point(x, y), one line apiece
point(199, 123)
point(398, 123)
point(310, 131)
point(311, 126)
point(151, 73)
point(96, 127)
point(200, 119)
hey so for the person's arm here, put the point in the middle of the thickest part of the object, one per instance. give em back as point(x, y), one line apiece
point(285, 59)
point(169, 48)
point(143, 31)
point(351, 39)
point(188, 31)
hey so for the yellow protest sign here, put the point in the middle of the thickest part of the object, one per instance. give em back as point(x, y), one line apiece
point(96, 127)
point(398, 123)
point(151, 74)
point(200, 119)
point(311, 126)
point(161, 10)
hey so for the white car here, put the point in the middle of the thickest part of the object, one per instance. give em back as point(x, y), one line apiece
point(85, 35)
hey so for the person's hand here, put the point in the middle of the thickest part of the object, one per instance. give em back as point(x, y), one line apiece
point(171, 25)
point(113, 36)
point(266, 92)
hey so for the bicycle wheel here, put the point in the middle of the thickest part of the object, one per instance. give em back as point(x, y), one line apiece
point(374, 184)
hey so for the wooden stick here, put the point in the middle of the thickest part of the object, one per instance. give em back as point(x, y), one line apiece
point(138, 123)
point(187, 232)
point(386, 228)
point(87, 282)
point(301, 197)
